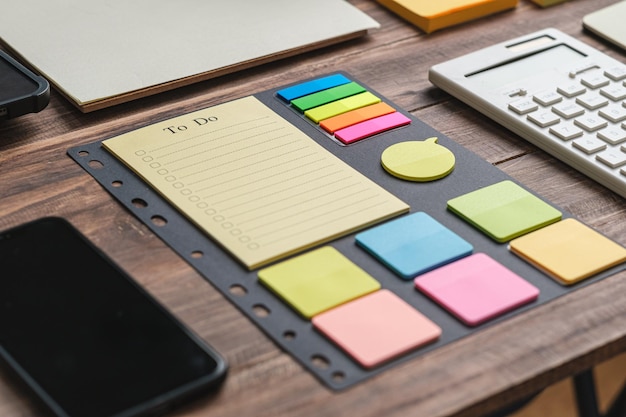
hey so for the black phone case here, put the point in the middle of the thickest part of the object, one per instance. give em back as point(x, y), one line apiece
point(67, 237)
point(21, 90)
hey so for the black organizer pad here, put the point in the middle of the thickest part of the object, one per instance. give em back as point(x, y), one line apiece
point(290, 331)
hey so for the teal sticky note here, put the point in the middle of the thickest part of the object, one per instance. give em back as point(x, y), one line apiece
point(413, 244)
point(504, 210)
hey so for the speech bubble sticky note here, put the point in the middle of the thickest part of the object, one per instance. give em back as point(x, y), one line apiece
point(418, 160)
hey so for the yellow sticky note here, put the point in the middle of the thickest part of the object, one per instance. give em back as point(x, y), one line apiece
point(431, 15)
point(418, 160)
point(569, 251)
point(253, 181)
point(344, 105)
point(318, 281)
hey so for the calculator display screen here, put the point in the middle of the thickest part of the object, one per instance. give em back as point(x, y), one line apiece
point(536, 63)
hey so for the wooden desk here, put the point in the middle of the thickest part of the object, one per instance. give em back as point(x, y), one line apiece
point(470, 377)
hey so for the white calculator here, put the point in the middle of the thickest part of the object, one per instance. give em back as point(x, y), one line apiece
point(554, 91)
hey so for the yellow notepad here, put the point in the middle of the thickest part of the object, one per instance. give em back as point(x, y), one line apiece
point(430, 15)
point(253, 181)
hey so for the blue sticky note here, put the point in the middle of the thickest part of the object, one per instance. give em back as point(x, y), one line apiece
point(413, 244)
point(313, 86)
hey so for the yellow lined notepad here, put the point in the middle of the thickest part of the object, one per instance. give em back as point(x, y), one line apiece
point(253, 181)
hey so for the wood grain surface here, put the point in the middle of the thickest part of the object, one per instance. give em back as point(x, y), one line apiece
point(470, 377)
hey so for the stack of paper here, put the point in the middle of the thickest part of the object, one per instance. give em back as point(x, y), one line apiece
point(99, 53)
point(430, 15)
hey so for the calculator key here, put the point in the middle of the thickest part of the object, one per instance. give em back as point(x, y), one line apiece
point(595, 80)
point(544, 118)
point(592, 101)
point(591, 122)
point(583, 68)
point(589, 144)
point(568, 110)
point(523, 106)
point(612, 158)
point(571, 90)
point(614, 113)
point(613, 135)
point(566, 131)
point(616, 73)
point(614, 92)
point(547, 98)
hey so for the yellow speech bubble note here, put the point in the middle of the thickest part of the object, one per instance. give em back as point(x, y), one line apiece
point(418, 160)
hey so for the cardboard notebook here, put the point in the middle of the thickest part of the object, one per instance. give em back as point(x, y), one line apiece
point(430, 15)
point(99, 54)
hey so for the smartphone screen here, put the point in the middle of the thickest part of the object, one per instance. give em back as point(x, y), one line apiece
point(84, 337)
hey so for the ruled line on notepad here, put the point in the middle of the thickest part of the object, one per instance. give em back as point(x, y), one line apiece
point(230, 162)
point(310, 209)
point(258, 180)
point(325, 192)
point(279, 181)
point(313, 226)
point(229, 144)
point(238, 167)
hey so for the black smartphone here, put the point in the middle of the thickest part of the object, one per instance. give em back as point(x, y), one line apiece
point(84, 337)
point(21, 90)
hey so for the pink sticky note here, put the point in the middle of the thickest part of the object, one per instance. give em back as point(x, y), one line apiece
point(376, 327)
point(371, 127)
point(476, 288)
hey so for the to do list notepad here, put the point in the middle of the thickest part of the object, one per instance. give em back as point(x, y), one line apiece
point(253, 181)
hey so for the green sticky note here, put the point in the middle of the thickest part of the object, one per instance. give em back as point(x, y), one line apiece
point(318, 281)
point(504, 210)
point(327, 96)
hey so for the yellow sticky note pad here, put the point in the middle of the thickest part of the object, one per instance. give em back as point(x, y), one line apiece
point(431, 15)
point(253, 181)
point(569, 251)
point(318, 281)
